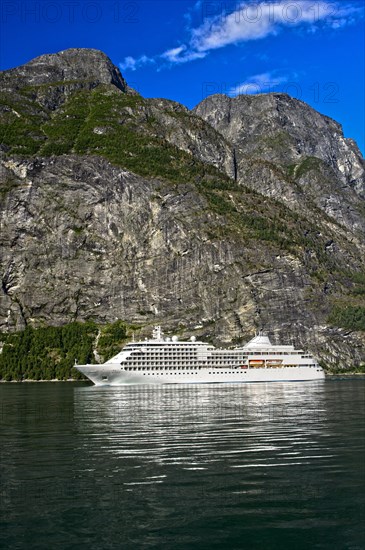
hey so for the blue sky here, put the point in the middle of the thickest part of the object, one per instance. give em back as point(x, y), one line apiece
point(185, 50)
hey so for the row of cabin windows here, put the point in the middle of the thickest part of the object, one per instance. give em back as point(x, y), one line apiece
point(186, 361)
point(194, 351)
point(199, 368)
point(149, 354)
point(176, 349)
point(273, 353)
point(230, 372)
point(186, 352)
point(188, 364)
point(159, 368)
point(169, 345)
point(170, 352)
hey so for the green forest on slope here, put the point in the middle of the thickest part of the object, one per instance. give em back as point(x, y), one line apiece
point(49, 353)
point(100, 122)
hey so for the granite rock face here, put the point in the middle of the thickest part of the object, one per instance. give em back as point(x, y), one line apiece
point(265, 229)
point(53, 77)
point(283, 140)
point(192, 134)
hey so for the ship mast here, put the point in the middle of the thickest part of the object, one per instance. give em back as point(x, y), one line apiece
point(157, 333)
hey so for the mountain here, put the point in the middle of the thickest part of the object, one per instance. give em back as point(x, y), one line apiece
point(278, 138)
point(241, 214)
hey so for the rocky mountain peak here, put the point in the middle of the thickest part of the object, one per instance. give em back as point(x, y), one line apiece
point(283, 130)
point(72, 65)
point(270, 113)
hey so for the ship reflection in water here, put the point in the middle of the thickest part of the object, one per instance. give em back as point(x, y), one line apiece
point(267, 462)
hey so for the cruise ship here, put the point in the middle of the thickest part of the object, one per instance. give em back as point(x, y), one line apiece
point(161, 360)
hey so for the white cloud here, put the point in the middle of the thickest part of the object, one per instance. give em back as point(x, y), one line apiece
point(173, 54)
point(258, 84)
point(182, 54)
point(251, 21)
point(131, 63)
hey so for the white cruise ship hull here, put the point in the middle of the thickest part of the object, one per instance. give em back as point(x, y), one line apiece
point(113, 375)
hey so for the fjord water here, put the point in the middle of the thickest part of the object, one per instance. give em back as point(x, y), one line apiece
point(275, 466)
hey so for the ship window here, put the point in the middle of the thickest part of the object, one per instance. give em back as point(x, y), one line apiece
point(104, 378)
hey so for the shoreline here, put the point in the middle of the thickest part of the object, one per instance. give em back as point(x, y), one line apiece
point(341, 374)
point(54, 380)
point(28, 381)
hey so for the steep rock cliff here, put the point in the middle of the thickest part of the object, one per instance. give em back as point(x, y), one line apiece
point(286, 149)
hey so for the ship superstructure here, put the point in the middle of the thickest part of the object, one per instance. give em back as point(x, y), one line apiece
point(163, 360)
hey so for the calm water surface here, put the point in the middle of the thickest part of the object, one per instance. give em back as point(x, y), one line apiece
point(259, 466)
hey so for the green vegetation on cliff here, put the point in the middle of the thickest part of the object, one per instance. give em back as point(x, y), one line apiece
point(305, 166)
point(112, 337)
point(345, 370)
point(101, 122)
point(49, 353)
point(349, 317)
